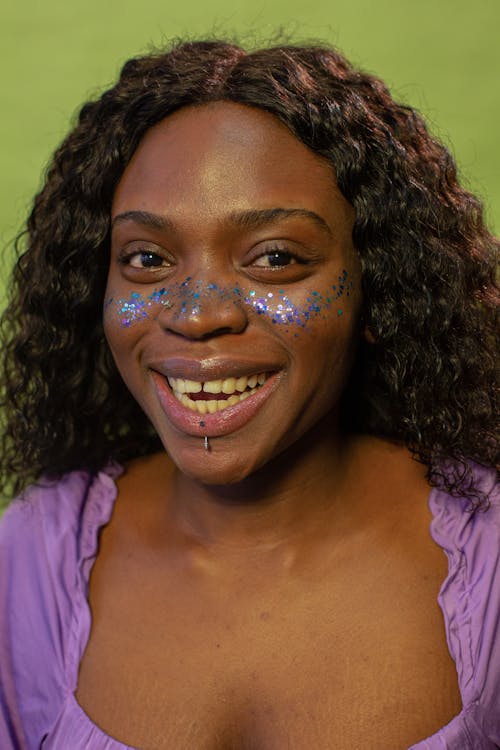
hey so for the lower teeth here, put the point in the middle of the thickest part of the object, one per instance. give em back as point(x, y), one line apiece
point(212, 406)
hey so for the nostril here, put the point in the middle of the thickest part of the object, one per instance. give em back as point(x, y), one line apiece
point(191, 332)
point(222, 331)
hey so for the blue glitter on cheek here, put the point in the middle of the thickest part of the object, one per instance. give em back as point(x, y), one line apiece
point(137, 308)
point(283, 311)
point(189, 297)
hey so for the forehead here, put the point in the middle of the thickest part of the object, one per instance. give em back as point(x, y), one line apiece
point(223, 156)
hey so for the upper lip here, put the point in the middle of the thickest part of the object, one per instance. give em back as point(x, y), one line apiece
point(212, 368)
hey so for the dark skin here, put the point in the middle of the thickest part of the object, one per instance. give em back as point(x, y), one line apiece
point(278, 591)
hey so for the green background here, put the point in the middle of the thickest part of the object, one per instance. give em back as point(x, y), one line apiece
point(442, 56)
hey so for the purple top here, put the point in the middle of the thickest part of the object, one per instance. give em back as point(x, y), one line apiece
point(48, 544)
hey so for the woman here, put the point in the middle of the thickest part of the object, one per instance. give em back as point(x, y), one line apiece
point(228, 543)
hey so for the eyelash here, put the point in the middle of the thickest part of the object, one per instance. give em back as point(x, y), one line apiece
point(125, 259)
point(127, 256)
point(277, 251)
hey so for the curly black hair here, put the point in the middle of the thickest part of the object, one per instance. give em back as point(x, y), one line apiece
point(430, 377)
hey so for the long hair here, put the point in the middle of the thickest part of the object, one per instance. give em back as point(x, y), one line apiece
point(430, 377)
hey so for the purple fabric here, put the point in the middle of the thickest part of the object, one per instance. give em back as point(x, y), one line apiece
point(48, 544)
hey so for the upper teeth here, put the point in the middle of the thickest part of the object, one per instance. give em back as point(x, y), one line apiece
point(227, 386)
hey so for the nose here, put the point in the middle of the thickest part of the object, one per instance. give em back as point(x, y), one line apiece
point(200, 310)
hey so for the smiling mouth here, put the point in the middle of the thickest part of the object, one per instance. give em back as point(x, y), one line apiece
point(211, 396)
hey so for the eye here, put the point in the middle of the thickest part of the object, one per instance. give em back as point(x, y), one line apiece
point(142, 256)
point(145, 259)
point(275, 259)
point(280, 261)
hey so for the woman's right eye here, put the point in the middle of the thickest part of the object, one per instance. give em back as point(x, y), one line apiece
point(143, 258)
point(146, 259)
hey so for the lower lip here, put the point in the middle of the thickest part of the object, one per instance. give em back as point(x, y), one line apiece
point(223, 422)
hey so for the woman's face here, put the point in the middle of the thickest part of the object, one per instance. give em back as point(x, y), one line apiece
point(233, 298)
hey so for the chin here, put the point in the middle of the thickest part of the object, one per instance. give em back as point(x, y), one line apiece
point(212, 467)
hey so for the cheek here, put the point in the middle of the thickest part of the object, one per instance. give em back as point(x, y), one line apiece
point(326, 331)
point(136, 307)
point(311, 311)
point(123, 338)
point(120, 331)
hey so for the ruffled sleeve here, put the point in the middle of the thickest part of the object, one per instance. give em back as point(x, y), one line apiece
point(45, 538)
point(470, 600)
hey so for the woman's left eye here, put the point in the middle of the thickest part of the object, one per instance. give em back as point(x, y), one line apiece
point(275, 259)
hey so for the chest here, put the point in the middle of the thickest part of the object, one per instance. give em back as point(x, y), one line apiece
point(347, 657)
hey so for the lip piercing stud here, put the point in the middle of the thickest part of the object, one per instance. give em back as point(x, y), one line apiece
point(205, 439)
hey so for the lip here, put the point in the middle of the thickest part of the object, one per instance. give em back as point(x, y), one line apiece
point(223, 422)
point(212, 368)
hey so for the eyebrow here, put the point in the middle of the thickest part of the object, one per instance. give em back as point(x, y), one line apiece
point(144, 218)
point(255, 218)
point(249, 219)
